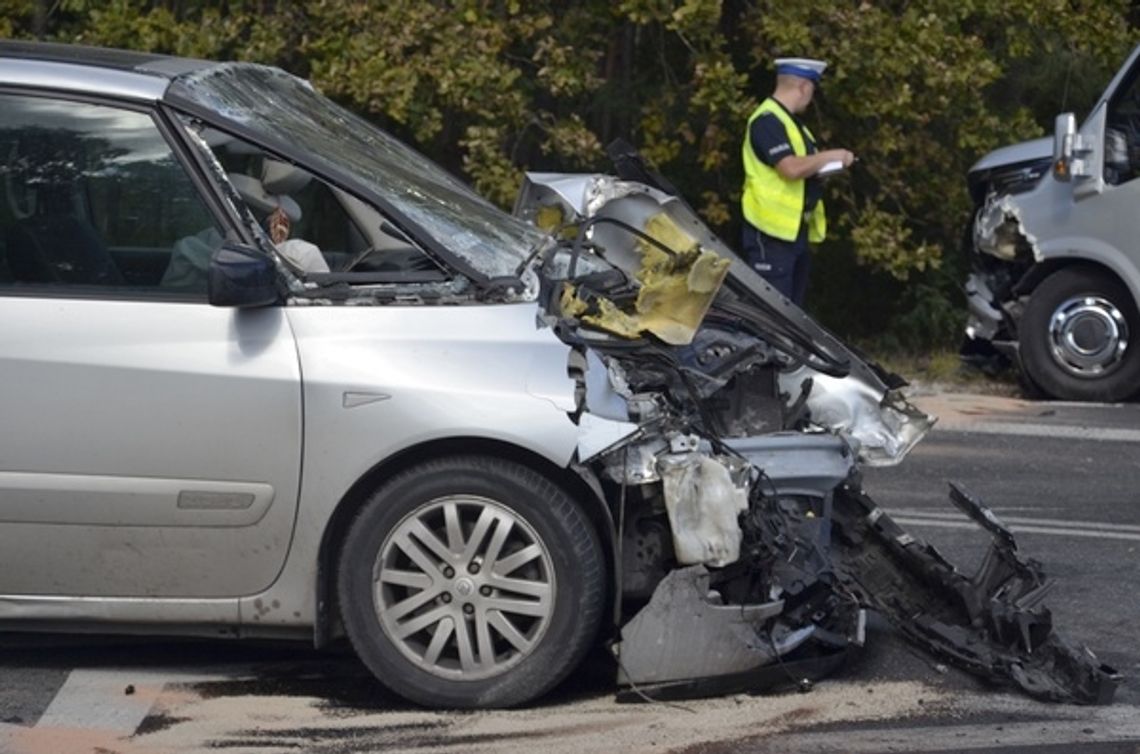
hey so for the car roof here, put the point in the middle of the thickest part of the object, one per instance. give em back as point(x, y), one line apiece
point(92, 70)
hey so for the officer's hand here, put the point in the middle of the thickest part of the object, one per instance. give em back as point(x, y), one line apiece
point(846, 156)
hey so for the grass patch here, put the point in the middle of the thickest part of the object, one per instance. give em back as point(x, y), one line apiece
point(942, 369)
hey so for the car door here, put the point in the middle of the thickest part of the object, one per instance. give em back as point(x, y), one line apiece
point(151, 442)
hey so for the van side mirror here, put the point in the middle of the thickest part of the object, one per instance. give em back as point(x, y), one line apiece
point(241, 276)
point(1064, 138)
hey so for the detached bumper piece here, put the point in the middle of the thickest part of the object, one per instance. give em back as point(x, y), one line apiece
point(992, 625)
point(687, 643)
point(792, 607)
point(773, 618)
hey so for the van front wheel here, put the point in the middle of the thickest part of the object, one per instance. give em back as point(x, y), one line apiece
point(1077, 337)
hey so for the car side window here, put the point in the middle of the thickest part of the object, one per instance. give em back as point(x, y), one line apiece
point(316, 227)
point(93, 199)
point(1122, 133)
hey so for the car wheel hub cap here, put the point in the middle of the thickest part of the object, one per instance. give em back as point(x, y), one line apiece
point(1088, 336)
point(464, 587)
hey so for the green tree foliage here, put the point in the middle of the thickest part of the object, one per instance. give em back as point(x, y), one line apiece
point(918, 89)
point(909, 95)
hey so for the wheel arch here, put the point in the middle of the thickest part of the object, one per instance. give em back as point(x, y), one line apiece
point(1106, 261)
point(1036, 274)
point(578, 481)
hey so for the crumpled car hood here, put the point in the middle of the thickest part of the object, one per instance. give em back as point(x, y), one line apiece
point(632, 222)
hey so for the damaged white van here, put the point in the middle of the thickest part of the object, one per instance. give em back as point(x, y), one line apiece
point(277, 375)
point(1056, 266)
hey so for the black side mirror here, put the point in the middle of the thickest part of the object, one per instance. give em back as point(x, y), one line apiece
point(241, 276)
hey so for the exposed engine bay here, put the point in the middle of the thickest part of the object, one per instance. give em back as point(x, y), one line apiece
point(727, 429)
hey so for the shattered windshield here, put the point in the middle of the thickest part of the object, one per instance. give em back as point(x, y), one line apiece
point(281, 109)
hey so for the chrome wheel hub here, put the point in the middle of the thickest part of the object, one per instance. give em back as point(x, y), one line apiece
point(464, 587)
point(1088, 336)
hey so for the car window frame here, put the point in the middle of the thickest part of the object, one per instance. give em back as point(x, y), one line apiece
point(173, 117)
point(205, 191)
point(173, 114)
point(445, 260)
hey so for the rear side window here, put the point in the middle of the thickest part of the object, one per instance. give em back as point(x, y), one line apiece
point(92, 198)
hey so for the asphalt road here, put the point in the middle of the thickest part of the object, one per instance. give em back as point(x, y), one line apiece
point(1065, 478)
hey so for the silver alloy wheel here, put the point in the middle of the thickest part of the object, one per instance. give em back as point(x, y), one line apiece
point(1088, 336)
point(464, 587)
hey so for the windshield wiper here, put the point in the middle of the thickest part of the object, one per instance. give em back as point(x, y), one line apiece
point(539, 246)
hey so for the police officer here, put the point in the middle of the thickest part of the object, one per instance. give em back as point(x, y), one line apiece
point(782, 204)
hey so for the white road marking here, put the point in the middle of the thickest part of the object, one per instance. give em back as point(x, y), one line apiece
point(1119, 727)
point(1054, 431)
point(99, 700)
point(1061, 531)
point(114, 701)
point(1030, 521)
point(1024, 529)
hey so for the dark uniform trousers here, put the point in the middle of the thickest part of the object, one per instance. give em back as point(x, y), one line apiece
point(784, 264)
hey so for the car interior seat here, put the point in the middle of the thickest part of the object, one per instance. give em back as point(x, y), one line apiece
point(50, 241)
point(271, 192)
point(5, 275)
point(58, 248)
point(263, 197)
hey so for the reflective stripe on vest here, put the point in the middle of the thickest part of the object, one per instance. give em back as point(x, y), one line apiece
point(771, 203)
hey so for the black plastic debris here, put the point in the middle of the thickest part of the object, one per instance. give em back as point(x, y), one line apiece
point(991, 624)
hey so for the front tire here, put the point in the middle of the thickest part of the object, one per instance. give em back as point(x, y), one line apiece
point(1077, 337)
point(471, 582)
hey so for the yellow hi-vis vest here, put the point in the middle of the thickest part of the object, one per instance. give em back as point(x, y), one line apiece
point(771, 203)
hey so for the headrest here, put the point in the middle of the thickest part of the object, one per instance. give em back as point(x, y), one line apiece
point(260, 200)
point(282, 178)
point(220, 140)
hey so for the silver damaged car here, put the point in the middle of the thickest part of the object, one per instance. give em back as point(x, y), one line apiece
point(267, 372)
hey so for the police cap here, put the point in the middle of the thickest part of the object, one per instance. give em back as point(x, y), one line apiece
point(805, 68)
